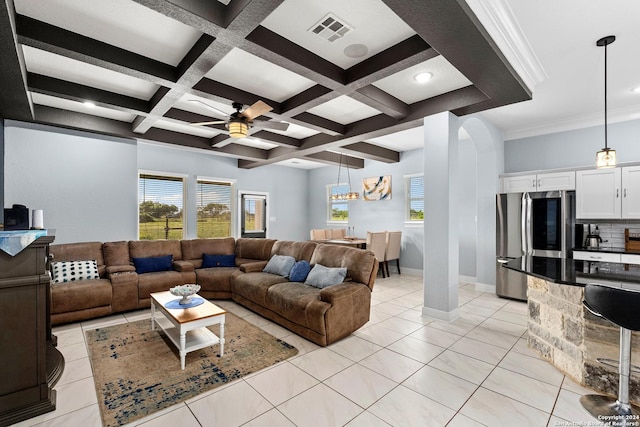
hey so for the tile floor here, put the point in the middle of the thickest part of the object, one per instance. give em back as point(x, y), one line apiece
point(400, 369)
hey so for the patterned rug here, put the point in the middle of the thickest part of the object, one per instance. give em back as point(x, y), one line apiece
point(137, 370)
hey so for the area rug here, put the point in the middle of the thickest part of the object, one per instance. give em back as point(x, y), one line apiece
point(137, 370)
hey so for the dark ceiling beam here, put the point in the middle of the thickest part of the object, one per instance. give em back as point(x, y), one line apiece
point(40, 35)
point(318, 123)
point(335, 159)
point(79, 121)
point(243, 152)
point(15, 102)
point(277, 138)
point(372, 152)
point(189, 117)
point(80, 93)
point(455, 32)
point(206, 16)
point(196, 63)
point(220, 92)
point(381, 101)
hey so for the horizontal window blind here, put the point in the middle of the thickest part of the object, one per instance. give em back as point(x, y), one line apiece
point(415, 198)
point(161, 200)
point(214, 208)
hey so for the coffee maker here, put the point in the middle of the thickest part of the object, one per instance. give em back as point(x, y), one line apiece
point(588, 236)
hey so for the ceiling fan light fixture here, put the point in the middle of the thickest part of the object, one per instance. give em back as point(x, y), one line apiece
point(238, 129)
point(423, 77)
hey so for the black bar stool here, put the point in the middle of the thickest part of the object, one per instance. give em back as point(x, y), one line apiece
point(620, 307)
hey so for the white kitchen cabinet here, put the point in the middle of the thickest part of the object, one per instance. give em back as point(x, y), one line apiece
point(629, 259)
point(608, 193)
point(554, 181)
point(631, 192)
point(598, 194)
point(596, 256)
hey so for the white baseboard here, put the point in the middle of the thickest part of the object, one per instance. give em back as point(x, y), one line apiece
point(447, 316)
point(410, 271)
point(467, 279)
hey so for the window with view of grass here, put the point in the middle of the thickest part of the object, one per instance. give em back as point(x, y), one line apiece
point(415, 198)
point(338, 210)
point(214, 208)
point(161, 201)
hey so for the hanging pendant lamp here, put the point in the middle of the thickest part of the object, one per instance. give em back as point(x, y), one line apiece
point(605, 158)
point(349, 195)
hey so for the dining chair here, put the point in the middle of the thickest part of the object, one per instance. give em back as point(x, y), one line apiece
point(337, 233)
point(377, 243)
point(393, 240)
point(319, 234)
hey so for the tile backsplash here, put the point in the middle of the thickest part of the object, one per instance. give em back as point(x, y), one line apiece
point(612, 234)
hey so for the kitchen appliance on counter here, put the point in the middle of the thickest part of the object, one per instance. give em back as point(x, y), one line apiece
point(587, 236)
point(537, 224)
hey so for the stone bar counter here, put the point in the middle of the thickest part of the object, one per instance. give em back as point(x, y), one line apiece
point(565, 333)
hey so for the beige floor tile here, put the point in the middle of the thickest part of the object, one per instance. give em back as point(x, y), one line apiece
point(405, 407)
point(524, 389)
point(322, 363)
point(281, 383)
point(392, 365)
point(320, 406)
point(416, 349)
point(361, 385)
point(440, 386)
point(495, 410)
point(465, 367)
point(354, 348)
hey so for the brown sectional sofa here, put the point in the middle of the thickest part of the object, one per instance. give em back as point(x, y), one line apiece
point(320, 315)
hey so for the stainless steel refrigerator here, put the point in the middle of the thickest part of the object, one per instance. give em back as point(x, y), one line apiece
point(538, 224)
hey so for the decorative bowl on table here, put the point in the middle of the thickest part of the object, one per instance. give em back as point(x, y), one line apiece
point(185, 291)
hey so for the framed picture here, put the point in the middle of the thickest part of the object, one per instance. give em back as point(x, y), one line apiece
point(377, 188)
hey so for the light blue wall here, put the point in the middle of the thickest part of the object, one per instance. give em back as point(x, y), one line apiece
point(467, 205)
point(287, 187)
point(87, 184)
point(576, 148)
point(2, 168)
point(373, 216)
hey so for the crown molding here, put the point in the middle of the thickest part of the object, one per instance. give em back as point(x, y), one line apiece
point(498, 20)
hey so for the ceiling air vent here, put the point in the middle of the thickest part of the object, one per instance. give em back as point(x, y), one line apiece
point(331, 28)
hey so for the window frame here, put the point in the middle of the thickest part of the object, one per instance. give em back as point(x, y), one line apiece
point(409, 199)
point(331, 202)
point(232, 202)
point(170, 177)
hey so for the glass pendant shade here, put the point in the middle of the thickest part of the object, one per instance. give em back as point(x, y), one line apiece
point(349, 195)
point(606, 158)
point(238, 129)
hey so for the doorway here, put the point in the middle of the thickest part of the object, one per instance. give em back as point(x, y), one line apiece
point(253, 214)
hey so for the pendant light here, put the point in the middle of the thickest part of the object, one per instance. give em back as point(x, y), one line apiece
point(349, 195)
point(605, 158)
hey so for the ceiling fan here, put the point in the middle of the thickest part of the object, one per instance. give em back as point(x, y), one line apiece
point(241, 120)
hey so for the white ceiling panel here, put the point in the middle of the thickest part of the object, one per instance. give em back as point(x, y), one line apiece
point(296, 131)
point(254, 142)
point(402, 85)
point(372, 24)
point(300, 164)
point(121, 23)
point(52, 65)
point(202, 131)
point(344, 110)
point(245, 71)
point(186, 103)
point(79, 107)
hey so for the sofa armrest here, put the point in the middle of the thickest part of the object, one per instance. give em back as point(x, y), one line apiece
point(112, 269)
point(332, 294)
point(183, 266)
point(252, 267)
point(125, 291)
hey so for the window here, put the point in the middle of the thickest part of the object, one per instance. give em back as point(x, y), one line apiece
point(415, 197)
point(338, 210)
point(161, 201)
point(214, 208)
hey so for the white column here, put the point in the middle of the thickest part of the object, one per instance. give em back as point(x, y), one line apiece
point(440, 217)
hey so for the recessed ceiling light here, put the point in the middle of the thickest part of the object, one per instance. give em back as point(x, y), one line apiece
point(636, 89)
point(89, 104)
point(422, 77)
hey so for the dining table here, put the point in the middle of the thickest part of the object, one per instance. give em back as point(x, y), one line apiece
point(355, 242)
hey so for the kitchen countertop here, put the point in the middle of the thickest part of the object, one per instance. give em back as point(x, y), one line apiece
point(567, 271)
point(612, 250)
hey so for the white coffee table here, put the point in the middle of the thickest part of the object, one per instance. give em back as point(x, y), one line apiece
point(187, 327)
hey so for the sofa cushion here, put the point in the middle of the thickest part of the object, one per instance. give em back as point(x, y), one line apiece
point(254, 286)
point(153, 264)
point(69, 271)
point(360, 264)
point(298, 250)
point(80, 295)
point(80, 252)
point(300, 271)
point(321, 276)
point(280, 265)
point(299, 304)
point(216, 279)
point(158, 282)
point(194, 248)
point(116, 253)
point(209, 260)
point(253, 249)
point(149, 248)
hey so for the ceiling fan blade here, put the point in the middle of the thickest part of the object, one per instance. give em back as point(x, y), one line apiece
point(217, 122)
point(257, 109)
point(211, 107)
point(264, 124)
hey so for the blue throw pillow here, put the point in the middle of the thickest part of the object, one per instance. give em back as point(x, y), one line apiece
point(280, 265)
point(299, 271)
point(218, 260)
point(151, 264)
point(321, 276)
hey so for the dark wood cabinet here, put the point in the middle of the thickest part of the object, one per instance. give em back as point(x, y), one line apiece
point(30, 364)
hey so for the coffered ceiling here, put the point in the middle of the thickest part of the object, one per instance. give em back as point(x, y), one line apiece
point(142, 63)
